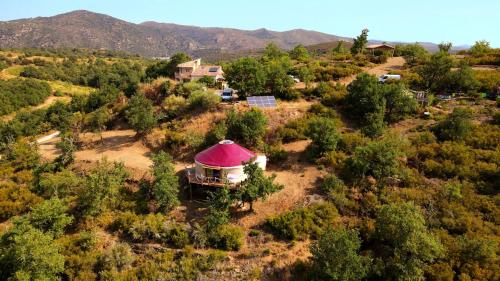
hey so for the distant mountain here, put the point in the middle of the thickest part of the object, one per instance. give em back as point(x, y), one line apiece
point(84, 29)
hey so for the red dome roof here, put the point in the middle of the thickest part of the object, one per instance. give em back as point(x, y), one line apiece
point(224, 154)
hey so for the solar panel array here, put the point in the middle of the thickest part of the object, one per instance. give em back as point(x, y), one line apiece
point(262, 101)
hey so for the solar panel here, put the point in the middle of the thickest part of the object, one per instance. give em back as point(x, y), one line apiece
point(262, 101)
point(213, 69)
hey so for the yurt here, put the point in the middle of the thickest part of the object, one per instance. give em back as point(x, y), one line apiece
point(223, 163)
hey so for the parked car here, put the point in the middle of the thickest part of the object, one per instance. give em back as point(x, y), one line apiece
point(227, 94)
point(386, 77)
point(295, 79)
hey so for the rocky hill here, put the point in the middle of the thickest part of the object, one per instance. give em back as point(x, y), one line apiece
point(86, 29)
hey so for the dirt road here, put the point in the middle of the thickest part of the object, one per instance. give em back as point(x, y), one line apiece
point(394, 63)
point(48, 102)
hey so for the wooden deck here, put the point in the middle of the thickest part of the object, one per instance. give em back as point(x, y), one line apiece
point(206, 181)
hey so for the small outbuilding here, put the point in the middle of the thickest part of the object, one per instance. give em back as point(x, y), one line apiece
point(380, 48)
point(223, 164)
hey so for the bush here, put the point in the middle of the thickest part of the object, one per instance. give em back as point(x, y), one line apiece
point(18, 93)
point(323, 134)
point(246, 128)
point(203, 100)
point(456, 126)
point(303, 222)
point(332, 183)
point(226, 237)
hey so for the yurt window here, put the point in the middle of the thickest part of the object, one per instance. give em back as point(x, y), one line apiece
point(212, 173)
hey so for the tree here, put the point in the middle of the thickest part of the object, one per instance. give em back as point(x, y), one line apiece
point(456, 126)
point(272, 51)
point(219, 203)
point(407, 244)
point(335, 256)
point(360, 42)
point(247, 75)
point(278, 81)
point(412, 53)
point(247, 128)
point(378, 159)
point(50, 217)
point(340, 48)
point(399, 102)
point(445, 47)
point(306, 75)
point(140, 114)
point(365, 103)
point(26, 253)
point(299, 53)
point(22, 155)
point(99, 119)
point(323, 134)
point(435, 71)
point(101, 188)
point(166, 68)
point(480, 48)
point(256, 185)
point(463, 79)
point(67, 147)
point(165, 186)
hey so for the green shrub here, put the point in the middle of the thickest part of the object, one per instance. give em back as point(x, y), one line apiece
point(332, 183)
point(303, 222)
point(18, 93)
point(203, 100)
point(226, 237)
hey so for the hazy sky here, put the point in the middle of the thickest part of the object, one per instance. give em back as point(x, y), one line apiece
point(458, 21)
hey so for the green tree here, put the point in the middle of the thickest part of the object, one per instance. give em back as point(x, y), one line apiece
point(407, 244)
point(445, 47)
point(166, 68)
point(247, 128)
point(435, 71)
point(140, 114)
point(272, 51)
point(378, 159)
point(101, 188)
point(480, 48)
point(99, 119)
point(412, 53)
point(247, 75)
point(278, 81)
point(299, 53)
point(360, 42)
point(26, 253)
point(365, 103)
point(22, 155)
point(256, 185)
point(165, 186)
point(399, 102)
point(324, 135)
point(68, 148)
point(463, 79)
point(340, 48)
point(456, 126)
point(219, 203)
point(335, 256)
point(50, 217)
point(306, 75)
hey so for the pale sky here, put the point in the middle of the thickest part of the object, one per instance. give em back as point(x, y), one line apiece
point(458, 21)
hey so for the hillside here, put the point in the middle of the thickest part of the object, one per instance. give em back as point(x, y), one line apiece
point(86, 29)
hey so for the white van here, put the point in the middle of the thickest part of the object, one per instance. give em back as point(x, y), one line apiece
point(386, 77)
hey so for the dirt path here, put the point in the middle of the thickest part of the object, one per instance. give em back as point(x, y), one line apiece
point(298, 178)
point(394, 63)
point(48, 102)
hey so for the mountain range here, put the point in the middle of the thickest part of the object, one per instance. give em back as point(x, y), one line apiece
point(85, 29)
